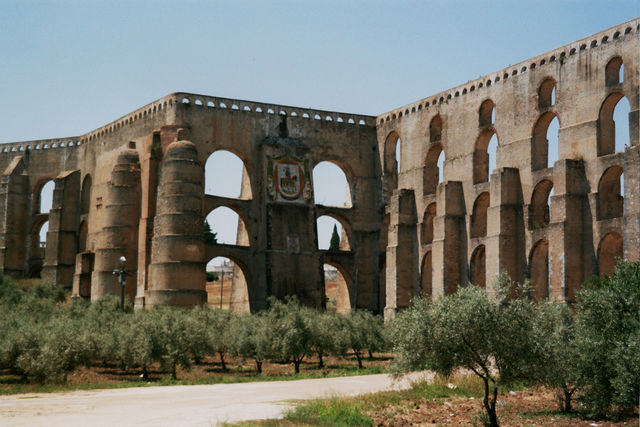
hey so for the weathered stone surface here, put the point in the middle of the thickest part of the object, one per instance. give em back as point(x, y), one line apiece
point(135, 187)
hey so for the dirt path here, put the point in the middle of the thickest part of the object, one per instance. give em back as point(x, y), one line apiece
point(199, 405)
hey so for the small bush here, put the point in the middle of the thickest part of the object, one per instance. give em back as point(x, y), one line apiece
point(334, 412)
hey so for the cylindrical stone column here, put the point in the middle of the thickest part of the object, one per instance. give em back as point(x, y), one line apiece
point(177, 273)
point(119, 236)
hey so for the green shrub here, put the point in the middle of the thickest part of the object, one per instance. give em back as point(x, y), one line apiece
point(48, 353)
point(556, 366)
point(323, 327)
point(170, 331)
point(251, 338)
point(290, 331)
point(351, 333)
point(608, 342)
point(9, 291)
point(489, 335)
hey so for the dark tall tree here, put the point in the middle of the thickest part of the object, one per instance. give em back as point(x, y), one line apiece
point(209, 236)
point(334, 245)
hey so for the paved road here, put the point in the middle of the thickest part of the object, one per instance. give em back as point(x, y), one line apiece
point(198, 405)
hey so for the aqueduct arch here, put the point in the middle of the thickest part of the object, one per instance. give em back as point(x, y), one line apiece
point(136, 187)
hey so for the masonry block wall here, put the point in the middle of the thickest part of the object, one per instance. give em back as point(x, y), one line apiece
point(415, 225)
point(555, 224)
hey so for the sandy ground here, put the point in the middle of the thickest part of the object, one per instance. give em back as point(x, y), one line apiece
point(198, 405)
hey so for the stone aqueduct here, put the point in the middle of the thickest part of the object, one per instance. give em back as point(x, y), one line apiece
point(135, 187)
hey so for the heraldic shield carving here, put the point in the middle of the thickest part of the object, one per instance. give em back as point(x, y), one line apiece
point(288, 178)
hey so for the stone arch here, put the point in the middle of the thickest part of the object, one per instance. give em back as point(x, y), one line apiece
point(486, 113)
point(481, 158)
point(478, 267)
point(390, 161)
point(607, 141)
point(435, 129)
point(540, 142)
point(612, 73)
point(540, 214)
point(426, 276)
point(85, 196)
point(332, 183)
point(237, 286)
point(343, 288)
point(233, 218)
point(226, 175)
point(610, 199)
point(43, 196)
point(431, 173)
point(479, 216)
point(539, 270)
point(609, 250)
point(546, 93)
point(344, 231)
point(427, 223)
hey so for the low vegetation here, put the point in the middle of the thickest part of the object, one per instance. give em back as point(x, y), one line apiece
point(43, 338)
point(588, 354)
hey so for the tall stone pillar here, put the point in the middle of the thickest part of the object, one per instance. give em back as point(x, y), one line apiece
point(569, 248)
point(62, 240)
point(119, 233)
point(505, 227)
point(177, 270)
point(449, 240)
point(402, 270)
point(14, 214)
point(151, 158)
point(631, 218)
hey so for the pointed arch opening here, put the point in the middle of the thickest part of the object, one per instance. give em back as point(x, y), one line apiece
point(544, 146)
point(229, 226)
point(225, 175)
point(609, 251)
point(44, 201)
point(614, 72)
point(485, 155)
point(433, 169)
point(329, 227)
point(614, 125)
point(610, 199)
point(85, 196)
point(479, 216)
point(227, 284)
point(539, 270)
point(435, 129)
point(547, 93)
point(391, 164)
point(426, 276)
point(337, 283)
point(540, 209)
point(427, 224)
point(331, 185)
point(478, 267)
point(487, 113)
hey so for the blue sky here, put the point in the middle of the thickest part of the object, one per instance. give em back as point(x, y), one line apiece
point(67, 67)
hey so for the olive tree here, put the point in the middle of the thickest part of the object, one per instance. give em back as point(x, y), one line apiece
point(608, 341)
point(486, 334)
point(323, 327)
point(291, 331)
point(556, 365)
point(251, 338)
